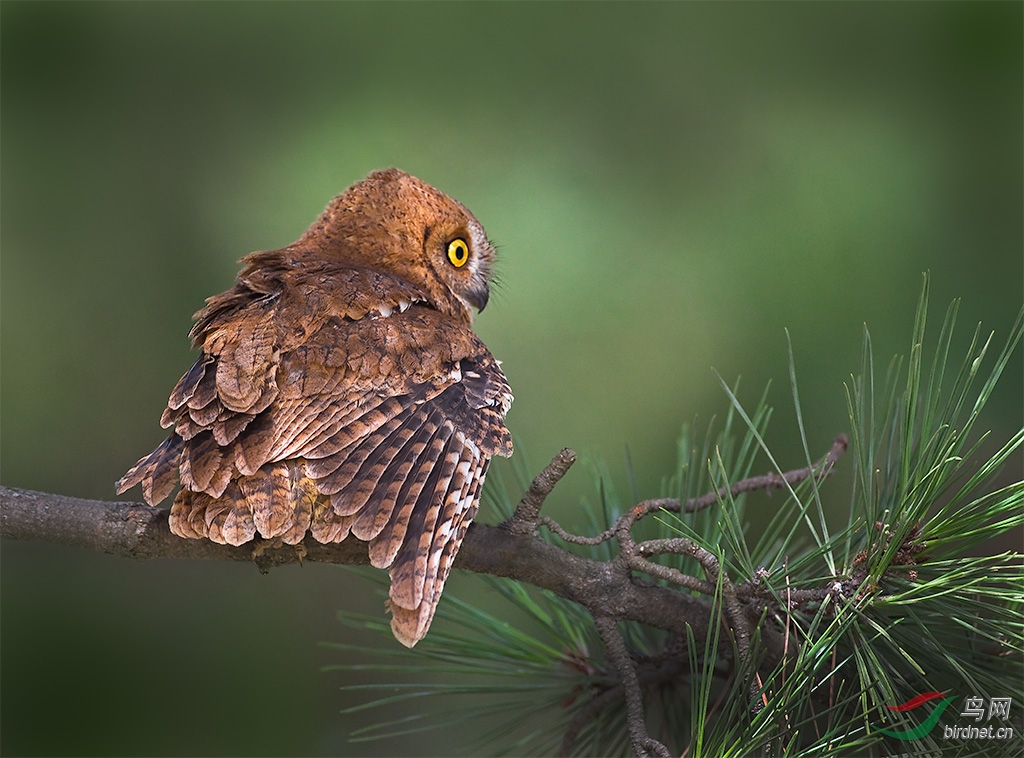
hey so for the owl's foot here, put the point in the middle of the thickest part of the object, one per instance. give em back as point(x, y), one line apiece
point(262, 558)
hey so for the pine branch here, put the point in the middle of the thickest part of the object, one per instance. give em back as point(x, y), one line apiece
point(134, 530)
point(643, 744)
point(513, 550)
point(140, 532)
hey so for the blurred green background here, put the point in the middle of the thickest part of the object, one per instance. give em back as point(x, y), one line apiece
point(670, 187)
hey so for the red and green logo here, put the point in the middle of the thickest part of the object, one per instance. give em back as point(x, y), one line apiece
point(925, 726)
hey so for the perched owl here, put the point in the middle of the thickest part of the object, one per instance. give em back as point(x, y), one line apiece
point(341, 391)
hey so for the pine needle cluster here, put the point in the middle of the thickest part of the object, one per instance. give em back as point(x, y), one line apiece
point(898, 599)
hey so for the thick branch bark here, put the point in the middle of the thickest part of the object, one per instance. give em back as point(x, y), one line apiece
point(132, 530)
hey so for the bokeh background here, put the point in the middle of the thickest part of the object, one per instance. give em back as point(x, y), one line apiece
point(671, 187)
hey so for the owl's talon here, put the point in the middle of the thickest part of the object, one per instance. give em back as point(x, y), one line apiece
point(264, 561)
point(260, 553)
point(261, 546)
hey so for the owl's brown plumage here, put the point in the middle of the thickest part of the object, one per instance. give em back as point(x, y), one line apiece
point(341, 391)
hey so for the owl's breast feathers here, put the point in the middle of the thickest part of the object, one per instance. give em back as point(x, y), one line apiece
point(333, 400)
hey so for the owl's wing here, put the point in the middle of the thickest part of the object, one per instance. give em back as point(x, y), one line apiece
point(411, 486)
point(380, 426)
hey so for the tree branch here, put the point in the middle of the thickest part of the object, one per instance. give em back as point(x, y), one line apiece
point(643, 744)
point(134, 530)
point(608, 589)
point(140, 532)
point(512, 550)
point(527, 513)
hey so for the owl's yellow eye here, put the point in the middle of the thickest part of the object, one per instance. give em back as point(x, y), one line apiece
point(458, 252)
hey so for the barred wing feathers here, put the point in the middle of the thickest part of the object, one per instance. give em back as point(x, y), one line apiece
point(333, 404)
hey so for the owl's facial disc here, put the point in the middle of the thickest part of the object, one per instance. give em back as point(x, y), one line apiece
point(468, 269)
point(476, 290)
point(464, 263)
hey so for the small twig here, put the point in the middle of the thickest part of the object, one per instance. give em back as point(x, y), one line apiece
point(833, 587)
point(789, 621)
point(527, 513)
point(741, 625)
point(643, 744)
point(635, 555)
point(575, 539)
point(770, 481)
point(591, 710)
point(653, 671)
point(743, 631)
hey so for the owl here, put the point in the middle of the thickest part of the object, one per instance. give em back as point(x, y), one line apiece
point(342, 392)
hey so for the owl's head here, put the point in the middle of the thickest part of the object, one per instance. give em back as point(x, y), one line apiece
point(394, 222)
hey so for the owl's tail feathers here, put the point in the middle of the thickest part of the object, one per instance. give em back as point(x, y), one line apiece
point(278, 502)
point(226, 520)
point(422, 566)
point(158, 471)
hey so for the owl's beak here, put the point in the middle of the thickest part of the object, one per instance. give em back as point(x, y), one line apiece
point(478, 296)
